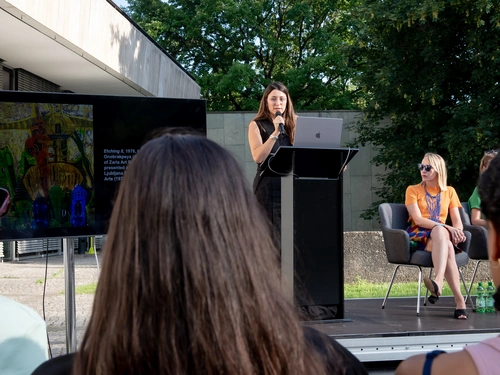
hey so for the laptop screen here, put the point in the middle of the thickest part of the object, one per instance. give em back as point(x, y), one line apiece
point(321, 132)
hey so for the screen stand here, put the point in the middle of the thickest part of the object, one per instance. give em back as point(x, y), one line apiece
point(69, 294)
point(12, 250)
point(287, 238)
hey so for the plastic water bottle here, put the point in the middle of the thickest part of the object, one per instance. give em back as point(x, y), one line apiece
point(480, 300)
point(490, 302)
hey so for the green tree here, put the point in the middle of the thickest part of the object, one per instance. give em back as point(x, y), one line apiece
point(431, 67)
point(234, 48)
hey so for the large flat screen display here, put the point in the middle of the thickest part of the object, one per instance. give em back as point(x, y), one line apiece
point(62, 156)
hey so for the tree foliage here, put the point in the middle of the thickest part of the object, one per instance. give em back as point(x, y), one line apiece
point(234, 48)
point(432, 68)
point(428, 68)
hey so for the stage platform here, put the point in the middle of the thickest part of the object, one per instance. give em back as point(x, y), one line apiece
point(374, 334)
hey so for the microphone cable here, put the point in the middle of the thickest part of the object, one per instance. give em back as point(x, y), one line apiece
point(345, 163)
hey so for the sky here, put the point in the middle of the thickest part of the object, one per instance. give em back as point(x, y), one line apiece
point(121, 3)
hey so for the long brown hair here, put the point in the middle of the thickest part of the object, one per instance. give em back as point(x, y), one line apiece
point(289, 115)
point(189, 281)
point(485, 160)
point(489, 191)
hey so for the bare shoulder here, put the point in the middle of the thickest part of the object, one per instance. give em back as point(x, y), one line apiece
point(253, 127)
point(412, 365)
point(459, 363)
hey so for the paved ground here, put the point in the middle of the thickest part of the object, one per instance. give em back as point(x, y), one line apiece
point(23, 281)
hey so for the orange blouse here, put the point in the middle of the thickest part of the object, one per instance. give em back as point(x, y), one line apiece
point(416, 194)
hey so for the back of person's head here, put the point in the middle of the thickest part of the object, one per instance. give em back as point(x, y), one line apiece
point(169, 130)
point(485, 160)
point(489, 191)
point(189, 281)
point(439, 165)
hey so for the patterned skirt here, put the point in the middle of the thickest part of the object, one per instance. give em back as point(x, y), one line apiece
point(418, 237)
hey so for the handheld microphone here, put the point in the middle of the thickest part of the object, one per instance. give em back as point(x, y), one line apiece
point(281, 125)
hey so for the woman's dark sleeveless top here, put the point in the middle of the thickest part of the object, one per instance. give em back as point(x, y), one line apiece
point(266, 186)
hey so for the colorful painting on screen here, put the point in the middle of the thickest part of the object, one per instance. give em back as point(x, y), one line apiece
point(47, 165)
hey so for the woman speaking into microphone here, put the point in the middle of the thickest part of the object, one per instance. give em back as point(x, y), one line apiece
point(274, 126)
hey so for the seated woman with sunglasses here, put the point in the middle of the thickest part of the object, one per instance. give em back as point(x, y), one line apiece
point(481, 358)
point(474, 200)
point(429, 204)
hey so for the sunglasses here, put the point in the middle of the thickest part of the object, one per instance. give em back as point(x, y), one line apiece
point(427, 167)
point(489, 152)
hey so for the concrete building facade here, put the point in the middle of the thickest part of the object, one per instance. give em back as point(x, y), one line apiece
point(87, 47)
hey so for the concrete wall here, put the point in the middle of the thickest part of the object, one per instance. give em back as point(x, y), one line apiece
point(100, 33)
point(364, 257)
point(230, 130)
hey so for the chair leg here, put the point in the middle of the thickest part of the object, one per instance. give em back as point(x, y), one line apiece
point(426, 290)
point(419, 289)
point(419, 285)
point(390, 286)
point(466, 290)
point(473, 277)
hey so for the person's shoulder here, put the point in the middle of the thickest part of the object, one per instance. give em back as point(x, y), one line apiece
point(260, 123)
point(334, 353)
point(56, 366)
point(415, 188)
point(23, 321)
point(451, 190)
point(13, 307)
point(313, 336)
point(493, 342)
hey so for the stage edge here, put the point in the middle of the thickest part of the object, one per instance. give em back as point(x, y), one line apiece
point(398, 348)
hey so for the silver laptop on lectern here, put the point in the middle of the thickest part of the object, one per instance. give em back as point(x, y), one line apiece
point(321, 132)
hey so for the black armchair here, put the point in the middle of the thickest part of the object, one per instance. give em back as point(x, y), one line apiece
point(478, 249)
point(394, 220)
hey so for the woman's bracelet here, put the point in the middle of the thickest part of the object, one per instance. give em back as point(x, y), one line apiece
point(275, 137)
point(429, 358)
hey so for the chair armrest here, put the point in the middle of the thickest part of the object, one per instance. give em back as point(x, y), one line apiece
point(465, 246)
point(479, 243)
point(397, 245)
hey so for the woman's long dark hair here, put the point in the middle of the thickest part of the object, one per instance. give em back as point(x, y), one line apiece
point(288, 115)
point(489, 192)
point(189, 281)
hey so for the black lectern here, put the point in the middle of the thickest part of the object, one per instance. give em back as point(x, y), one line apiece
point(312, 230)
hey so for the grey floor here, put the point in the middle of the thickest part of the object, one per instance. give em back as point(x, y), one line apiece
point(365, 319)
